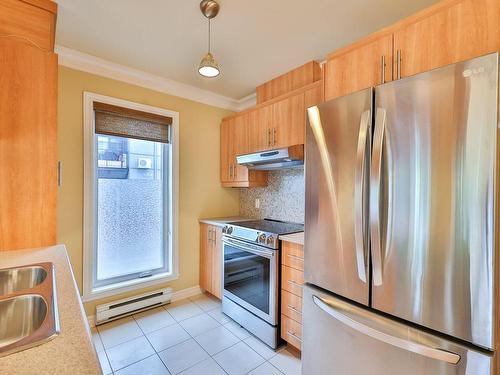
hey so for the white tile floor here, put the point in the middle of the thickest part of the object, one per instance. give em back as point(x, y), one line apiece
point(188, 337)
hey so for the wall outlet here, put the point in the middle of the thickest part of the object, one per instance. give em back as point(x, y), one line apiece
point(257, 203)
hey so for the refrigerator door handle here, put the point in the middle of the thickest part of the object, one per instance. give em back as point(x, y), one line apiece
point(402, 343)
point(359, 196)
point(375, 186)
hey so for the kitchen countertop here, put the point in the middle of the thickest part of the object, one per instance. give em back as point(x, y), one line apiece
point(221, 221)
point(297, 238)
point(72, 351)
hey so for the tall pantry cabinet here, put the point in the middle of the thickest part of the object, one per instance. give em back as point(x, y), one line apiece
point(28, 124)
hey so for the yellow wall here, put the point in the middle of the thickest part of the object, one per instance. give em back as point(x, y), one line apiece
point(200, 191)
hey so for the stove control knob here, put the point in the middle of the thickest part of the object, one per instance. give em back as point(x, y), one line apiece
point(261, 238)
point(270, 240)
point(224, 230)
point(229, 230)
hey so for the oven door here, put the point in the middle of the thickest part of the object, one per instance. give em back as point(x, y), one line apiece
point(251, 277)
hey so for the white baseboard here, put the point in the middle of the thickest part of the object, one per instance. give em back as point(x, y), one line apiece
point(176, 296)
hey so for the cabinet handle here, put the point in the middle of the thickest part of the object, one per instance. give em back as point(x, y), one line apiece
point(269, 137)
point(274, 136)
point(59, 173)
point(398, 64)
point(235, 171)
point(382, 72)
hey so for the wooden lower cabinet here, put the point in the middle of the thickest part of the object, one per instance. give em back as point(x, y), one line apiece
point(211, 259)
point(292, 280)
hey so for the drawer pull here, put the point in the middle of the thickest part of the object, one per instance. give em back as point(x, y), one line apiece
point(294, 335)
point(294, 309)
point(295, 257)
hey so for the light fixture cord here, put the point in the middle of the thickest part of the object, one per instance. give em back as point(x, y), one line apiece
point(209, 35)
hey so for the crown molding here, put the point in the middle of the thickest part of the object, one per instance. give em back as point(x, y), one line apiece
point(91, 64)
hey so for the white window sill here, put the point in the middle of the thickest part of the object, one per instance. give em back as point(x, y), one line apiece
point(128, 286)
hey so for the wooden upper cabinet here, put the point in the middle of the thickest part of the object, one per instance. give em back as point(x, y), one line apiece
point(288, 123)
point(358, 67)
point(295, 79)
point(29, 21)
point(314, 96)
point(28, 146)
point(234, 141)
point(226, 149)
point(240, 147)
point(448, 34)
point(259, 127)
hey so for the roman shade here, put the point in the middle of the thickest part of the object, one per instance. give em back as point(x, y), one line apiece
point(130, 123)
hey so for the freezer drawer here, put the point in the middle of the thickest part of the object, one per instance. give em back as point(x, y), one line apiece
point(343, 339)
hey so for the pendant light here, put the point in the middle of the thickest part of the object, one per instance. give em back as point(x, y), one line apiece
point(208, 66)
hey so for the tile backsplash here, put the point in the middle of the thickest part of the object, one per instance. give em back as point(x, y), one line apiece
point(282, 199)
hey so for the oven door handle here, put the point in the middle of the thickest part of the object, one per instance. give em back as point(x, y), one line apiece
point(249, 247)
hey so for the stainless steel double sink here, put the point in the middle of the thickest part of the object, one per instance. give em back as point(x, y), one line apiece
point(28, 307)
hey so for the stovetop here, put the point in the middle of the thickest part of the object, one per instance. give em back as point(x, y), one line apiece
point(270, 226)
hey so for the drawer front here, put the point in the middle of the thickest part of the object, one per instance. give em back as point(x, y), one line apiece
point(291, 306)
point(292, 280)
point(293, 255)
point(291, 332)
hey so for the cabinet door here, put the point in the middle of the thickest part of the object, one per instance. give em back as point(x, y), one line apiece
point(206, 257)
point(240, 147)
point(467, 29)
point(217, 262)
point(259, 127)
point(28, 146)
point(226, 150)
point(313, 96)
point(358, 68)
point(289, 122)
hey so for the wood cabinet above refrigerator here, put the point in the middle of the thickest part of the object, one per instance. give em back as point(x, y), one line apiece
point(443, 34)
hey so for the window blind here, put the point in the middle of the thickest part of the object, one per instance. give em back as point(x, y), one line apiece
point(130, 123)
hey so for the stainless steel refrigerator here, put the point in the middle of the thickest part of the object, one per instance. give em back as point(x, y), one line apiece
point(401, 231)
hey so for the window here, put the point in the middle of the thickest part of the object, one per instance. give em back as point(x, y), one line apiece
point(130, 196)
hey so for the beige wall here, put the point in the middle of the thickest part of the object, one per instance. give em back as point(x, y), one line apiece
point(200, 191)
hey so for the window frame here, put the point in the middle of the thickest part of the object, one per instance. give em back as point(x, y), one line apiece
point(90, 292)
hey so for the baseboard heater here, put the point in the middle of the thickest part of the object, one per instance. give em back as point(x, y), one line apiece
point(128, 306)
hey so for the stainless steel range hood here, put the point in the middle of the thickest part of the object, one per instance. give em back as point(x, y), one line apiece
point(282, 158)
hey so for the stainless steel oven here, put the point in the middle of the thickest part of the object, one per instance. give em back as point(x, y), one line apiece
point(250, 278)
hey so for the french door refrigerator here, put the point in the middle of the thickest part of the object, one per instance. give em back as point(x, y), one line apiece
point(401, 252)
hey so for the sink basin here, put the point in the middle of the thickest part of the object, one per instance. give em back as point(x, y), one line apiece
point(13, 280)
point(21, 316)
point(28, 307)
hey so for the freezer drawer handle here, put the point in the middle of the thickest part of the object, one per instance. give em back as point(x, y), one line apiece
point(440, 355)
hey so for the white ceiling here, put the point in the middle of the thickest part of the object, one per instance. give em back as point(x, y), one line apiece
point(253, 40)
